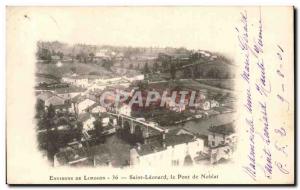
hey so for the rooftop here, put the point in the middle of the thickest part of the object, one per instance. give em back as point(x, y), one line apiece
point(45, 95)
point(156, 146)
point(84, 116)
point(149, 148)
point(69, 90)
point(71, 154)
point(56, 100)
point(79, 98)
point(226, 129)
point(172, 140)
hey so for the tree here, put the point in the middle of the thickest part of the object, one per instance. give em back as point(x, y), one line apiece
point(137, 67)
point(131, 66)
point(40, 109)
point(73, 69)
point(138, 133)
point(211, 73)
point(98, 128)
point(79, 130)
point(146, 68)
point(126, 131)
point(44, 54)
point(52, 136)
point(173, 71)
point(142, 85)
point(107, 64)
point(91, 55)
point(155, 67)
point(82, 57)
point(51, 112)
point(60, 54)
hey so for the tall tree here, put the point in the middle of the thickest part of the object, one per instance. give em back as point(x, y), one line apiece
point(99, 129)
point(79, 130)
point(146, 68)
point(51, 112)
point(40, 109)
point(91, 55)
point(107, 64)
point(52, 136)
point(173, 71)
point(155, 67)
point(44, 54)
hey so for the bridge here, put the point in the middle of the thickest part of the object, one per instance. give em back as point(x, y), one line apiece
point(134, 122)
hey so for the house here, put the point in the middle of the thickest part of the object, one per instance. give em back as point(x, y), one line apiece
point(105, 119)
point(109, 130)
point(170, 103)
point(134, 77)
point(87, 121)
point(178, 108)
point(101, 84)
point(98, 86)
point(103, 54)
point(108, 79)
point(73, 155)
point(124, 109)
point(45, 95)
point(175, 150)
point(114, 152)
point(214, 104)
point(55, 101)
point(119, 56)
point(83, 105)
point(204, 53)
point(173, 106)
point(222, 141)
point(203, 105)
point(77, 80)
point(221, 135)
point(96, 108)
point(69, 92)
point(58, 103)
point(202, 94)
point(224, 152)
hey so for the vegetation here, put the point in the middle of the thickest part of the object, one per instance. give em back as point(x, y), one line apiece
point(172, 61)
point(50, 138)
point(99, 130)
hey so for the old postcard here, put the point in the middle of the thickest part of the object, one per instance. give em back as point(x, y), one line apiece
point(150, 95)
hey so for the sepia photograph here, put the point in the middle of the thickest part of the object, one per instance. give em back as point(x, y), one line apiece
point(129, 106)
point(150, 95)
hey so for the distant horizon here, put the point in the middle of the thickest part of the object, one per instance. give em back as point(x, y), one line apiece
point(126, 46)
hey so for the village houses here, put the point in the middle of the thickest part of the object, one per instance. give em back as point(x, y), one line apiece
point(76, 80)
point(222, 141)
point(87, 120)
point(81, 104)
point(177, 149)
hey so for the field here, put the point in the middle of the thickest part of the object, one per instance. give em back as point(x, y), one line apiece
point(224, 83)
point(79, 68)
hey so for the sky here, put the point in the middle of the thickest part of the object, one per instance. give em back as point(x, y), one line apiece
point(203, 28)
